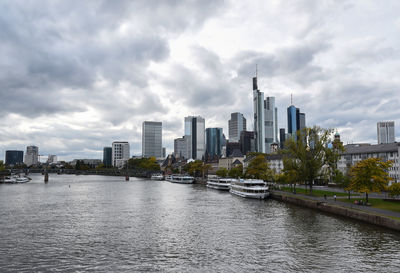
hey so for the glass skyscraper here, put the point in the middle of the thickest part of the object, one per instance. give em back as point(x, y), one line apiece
point(195, 130)
point(214, 142)
point(152, 139)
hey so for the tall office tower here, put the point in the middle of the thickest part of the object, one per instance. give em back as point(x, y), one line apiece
point(282, 138)
point(195, 129)
point(236, 124)
point(120, 153)
point(164, 152)
point(31, 156)
point(51, 159)
point(259, 131)
point(182, 147)
point(296, 120)
point(14, 157)
point(271, 127)
point(214, 142)
point(152, 139)
point(246, 142)
point(385, 131)
point(107, 156)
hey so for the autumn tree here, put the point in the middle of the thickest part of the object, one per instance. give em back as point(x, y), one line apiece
point(394, 190)
point(258, 168)
point(370, 175)
point(144, 163)
point(236, 172)
point(308, 153)
point(222, 172)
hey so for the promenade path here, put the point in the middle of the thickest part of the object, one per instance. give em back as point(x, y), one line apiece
point(330, 200)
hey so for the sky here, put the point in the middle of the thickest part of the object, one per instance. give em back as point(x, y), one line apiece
point(77, 75)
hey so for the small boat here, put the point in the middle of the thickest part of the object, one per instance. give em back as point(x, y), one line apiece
point(219, 183)
point(22, 179)
point(250, 188)
point(157, 177)
point(10, 180)
point(181, 179)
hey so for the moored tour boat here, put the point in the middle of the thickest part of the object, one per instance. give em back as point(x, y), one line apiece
point(181, 179)
point(157, 177)
point(219, 183)
point(250, 188)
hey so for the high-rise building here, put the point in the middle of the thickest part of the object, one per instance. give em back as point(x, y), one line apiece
point(152, 139)
point(107, 156)
point(246, 142)
point(385, 130)
point(120, 153)
point(271, 120)
point(232, 147)
point(195, 129)
point(259, 119)
point(282, 137)
point(214, 142)
point(236, 124)
point(14, 157)
point(51, 159)
point(296, 120)
point(164, 152)
point(182, 147)
point(31, 156)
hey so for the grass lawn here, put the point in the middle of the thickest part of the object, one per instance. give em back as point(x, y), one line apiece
point(318, 193)
point(378, 203)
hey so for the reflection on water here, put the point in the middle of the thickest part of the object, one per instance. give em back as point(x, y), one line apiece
point(98, 224)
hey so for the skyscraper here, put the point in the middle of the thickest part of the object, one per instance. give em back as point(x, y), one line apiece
point(236, 124)
point(214, 142)
point(259, 131)
point(14, 157)
point(296, 120)
point(107, 156)
point(246, 142)
point(182, 147)
point(120, 153)
point(282, 137)
point(271, 127)
point(385, 130)
point(195, 129)
point(31, 156)
point(152, 139)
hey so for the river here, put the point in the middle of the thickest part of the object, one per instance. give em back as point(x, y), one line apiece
point(105, 224)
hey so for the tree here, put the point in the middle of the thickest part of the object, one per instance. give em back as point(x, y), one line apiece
point(307, 154)
point(195, 168)
point(394, 190)
point(236, 172)
point(2, 166)
point(222, 172)
point(258, 168)
point(144, 163)
point(370, 175)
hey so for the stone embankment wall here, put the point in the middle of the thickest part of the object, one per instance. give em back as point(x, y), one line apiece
point(338, 210)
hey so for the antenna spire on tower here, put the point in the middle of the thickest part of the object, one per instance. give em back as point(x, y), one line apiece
point(291, 99)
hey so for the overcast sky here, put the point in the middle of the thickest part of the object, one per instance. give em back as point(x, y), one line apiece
point(77, 75)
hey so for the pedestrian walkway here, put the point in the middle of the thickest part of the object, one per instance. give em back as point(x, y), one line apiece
point(330, 200)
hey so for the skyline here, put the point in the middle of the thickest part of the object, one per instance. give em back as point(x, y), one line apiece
point(73, 82)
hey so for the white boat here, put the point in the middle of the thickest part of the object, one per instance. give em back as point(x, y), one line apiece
point(22, 179)
point(157, 177)
point(219, 183)
point(10, 180)
point(181, 179)
point(250, 188)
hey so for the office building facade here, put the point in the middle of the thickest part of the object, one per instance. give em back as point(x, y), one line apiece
point(214, 142)
point(152, 139)
point(14, 157)
point(195, 130)
point(259, 119)
point(385, 132)
point(107, 156)
point(246, 142)
point(31, 156)
point(236, 124)
point(282, 138)
point(182, 147)
point(120, 153)
point(296, 121)
point(271, 123)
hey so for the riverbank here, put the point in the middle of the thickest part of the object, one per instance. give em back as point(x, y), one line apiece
point(384, 218)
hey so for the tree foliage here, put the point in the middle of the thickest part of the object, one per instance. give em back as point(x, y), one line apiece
point(236, 172)
point(149, 164)
point(394, 190)
point(222, 172)
point(306, 156)
point(370, 175)
point(197, 168)
point(2, 166)
point(258, 168)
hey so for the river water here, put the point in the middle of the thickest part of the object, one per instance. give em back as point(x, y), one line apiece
point(105, 224)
